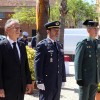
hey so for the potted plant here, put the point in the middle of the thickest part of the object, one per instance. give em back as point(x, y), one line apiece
point(31, 55)
point(97, 97)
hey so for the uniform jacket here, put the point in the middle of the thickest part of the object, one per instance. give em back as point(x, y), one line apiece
point(87, 61)
point(33, 42)
point(14, 73)
point(24, 41)
point(49, 64)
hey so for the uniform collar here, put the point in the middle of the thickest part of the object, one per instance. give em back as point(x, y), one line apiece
point(50, 39)
point(90, 39)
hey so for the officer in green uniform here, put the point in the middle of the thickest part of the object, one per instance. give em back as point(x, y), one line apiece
point(87, 56)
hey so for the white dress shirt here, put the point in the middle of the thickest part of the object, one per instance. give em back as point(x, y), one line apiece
point(11, 42)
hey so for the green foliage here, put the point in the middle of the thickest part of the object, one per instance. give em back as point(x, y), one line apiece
point(25, 15)
point(31, 55)
point(79, 10)
point(54, 12)
point(98, 87)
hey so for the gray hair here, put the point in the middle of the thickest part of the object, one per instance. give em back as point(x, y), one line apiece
point(10, 22)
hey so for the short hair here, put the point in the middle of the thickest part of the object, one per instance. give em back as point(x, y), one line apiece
point(10, 22)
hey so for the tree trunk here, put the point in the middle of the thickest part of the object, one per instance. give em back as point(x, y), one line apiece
point(42, 18)
point(63, 12)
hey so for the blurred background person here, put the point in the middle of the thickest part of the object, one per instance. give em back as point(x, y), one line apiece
point(33, 42)
point(24, 38)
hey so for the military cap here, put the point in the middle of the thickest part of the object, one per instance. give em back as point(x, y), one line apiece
point(25, 34)
point(90, 23)
point(54, 24)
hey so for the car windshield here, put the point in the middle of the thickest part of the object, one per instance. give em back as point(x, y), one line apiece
point(2, 37)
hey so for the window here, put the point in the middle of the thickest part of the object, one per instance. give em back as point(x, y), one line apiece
point(2, 15)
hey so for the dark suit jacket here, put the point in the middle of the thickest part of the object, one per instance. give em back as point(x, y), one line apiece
point(24, 41)
point(33, 42)
point(14, 73)
point(87, 61)
point(49, 64)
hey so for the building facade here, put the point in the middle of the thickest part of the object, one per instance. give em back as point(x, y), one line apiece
point(7, 8)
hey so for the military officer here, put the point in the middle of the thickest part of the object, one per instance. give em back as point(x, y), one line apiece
point(49, 64)
point(24, 38)
point(86, 62)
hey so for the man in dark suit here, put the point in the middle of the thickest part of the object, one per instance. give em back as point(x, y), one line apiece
point(15, 78)
point(87, 60)
point(49, 64)
point(33, 42)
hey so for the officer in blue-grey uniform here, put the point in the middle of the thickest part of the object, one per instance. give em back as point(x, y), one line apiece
point(33, 42)
point(87, 59)
point(24, 38)
point(49, 64)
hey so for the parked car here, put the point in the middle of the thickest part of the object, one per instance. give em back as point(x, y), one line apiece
point(2, 37)
point(71, 38)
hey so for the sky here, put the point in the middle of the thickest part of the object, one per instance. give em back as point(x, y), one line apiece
point(91, 1)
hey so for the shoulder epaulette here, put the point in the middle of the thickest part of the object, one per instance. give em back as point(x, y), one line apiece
point(85, 41)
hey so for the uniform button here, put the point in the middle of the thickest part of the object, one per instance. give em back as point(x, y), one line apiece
point(58, 59)
point(46, 75)
point(58, 65)
point(58, 72)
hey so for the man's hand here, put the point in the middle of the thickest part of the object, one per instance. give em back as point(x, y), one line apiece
point(41, 86)
point(28, 88)
point(2, 93)
point(80, 82)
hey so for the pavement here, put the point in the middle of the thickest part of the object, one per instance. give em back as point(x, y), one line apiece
point(68, 92)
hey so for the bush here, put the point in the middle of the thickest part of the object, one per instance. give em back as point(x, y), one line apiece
point(31, 55)
point(99, 87)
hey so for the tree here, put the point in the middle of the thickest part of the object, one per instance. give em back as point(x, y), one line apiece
point(58, 12)
point(25, 15)
point(79, 10)
point(42, 16)
point(63, 12)
point(54, 12)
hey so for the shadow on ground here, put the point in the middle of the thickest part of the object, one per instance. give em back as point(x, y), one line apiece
point(70, 75)
point(69, 89)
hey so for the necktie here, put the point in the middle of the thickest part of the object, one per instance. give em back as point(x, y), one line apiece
point(55, 44)
point(15, 51)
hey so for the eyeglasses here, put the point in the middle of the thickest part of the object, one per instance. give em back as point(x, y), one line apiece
point(17, 28)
